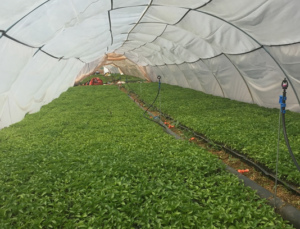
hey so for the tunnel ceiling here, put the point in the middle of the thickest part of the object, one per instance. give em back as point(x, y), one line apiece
point(240, 50)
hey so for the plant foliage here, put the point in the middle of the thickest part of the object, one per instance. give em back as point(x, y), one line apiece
point(245, 127)
point(90, 160)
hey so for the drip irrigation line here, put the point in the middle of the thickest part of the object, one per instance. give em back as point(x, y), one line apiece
point(130, 89)
point(263, 170)
point(258, 166)
point(111, 35)
point(288, 212)
point(151, 105)
point(282, 102)
point(277, 159)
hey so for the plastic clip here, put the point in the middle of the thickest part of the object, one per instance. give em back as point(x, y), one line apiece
point(282, 103)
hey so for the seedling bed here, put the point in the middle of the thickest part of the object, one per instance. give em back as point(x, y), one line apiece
point(90, 160)
point(258, 172)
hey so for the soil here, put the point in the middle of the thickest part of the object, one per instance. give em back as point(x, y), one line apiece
point(234, 162)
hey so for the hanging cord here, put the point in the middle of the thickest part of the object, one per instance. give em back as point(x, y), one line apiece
point(282, 99)
point(158, 92)
point(276, 175)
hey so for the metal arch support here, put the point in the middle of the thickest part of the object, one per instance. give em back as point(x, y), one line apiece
point(150, 3)
point(241, 76)
point(26, 15)
point(212, 15)
point(163, 74)
point(198, 80)
point(109, 19)
point(215, 78)
point(181, 73)
point(202, 88)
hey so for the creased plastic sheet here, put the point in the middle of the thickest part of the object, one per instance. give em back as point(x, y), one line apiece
point(12, 11)
point(68, 78)
point(167, 77)
point(142, 37)
point(127, 67)
point(288, 58)
point(84, 39)
point(90, 67)
point(37, 71)
point(157, 55)
point(206, 78)
point(154, 29)
point(175, 51)
point(126, 16)
point(161, 14)
point(190, 41)
point(38, 32)
point(22, 92)
point(151, 74)
point(219, 34)
point(228, 77)
point(128, 3)
point(188, 4)
point(13, 58)
point(264, 79)
point(178, 75)
point(41, 97)
point(112, 69)
point(27, 97)
point(191, 78)
point(129, 45)
point(271, 22)
point(72, 67)
point(157, 72)
point(176, 39)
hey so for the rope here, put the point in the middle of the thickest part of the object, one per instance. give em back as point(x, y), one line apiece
point(276, 175)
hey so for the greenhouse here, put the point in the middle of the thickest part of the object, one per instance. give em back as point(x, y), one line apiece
point(150, 114)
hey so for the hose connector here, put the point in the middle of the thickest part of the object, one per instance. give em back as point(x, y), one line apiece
point(284, 84)
point(282, 98)
point(159, 77)
point(282, 103)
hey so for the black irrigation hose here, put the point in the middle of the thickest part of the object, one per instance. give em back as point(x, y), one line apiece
point(236, 154)
point(264, 171)
point(158, 77)
point(282, 102)
point(287, 142)
point(130, 89)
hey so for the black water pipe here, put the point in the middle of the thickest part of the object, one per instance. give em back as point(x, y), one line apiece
point(282, 99)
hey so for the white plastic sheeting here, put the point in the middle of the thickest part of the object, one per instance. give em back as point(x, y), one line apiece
point(112, 69)
point(127, 67)
point(240, 50)
point(222, 47)
point(89, 68)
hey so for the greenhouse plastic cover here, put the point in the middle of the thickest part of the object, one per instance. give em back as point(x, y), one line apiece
point(235, 49)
